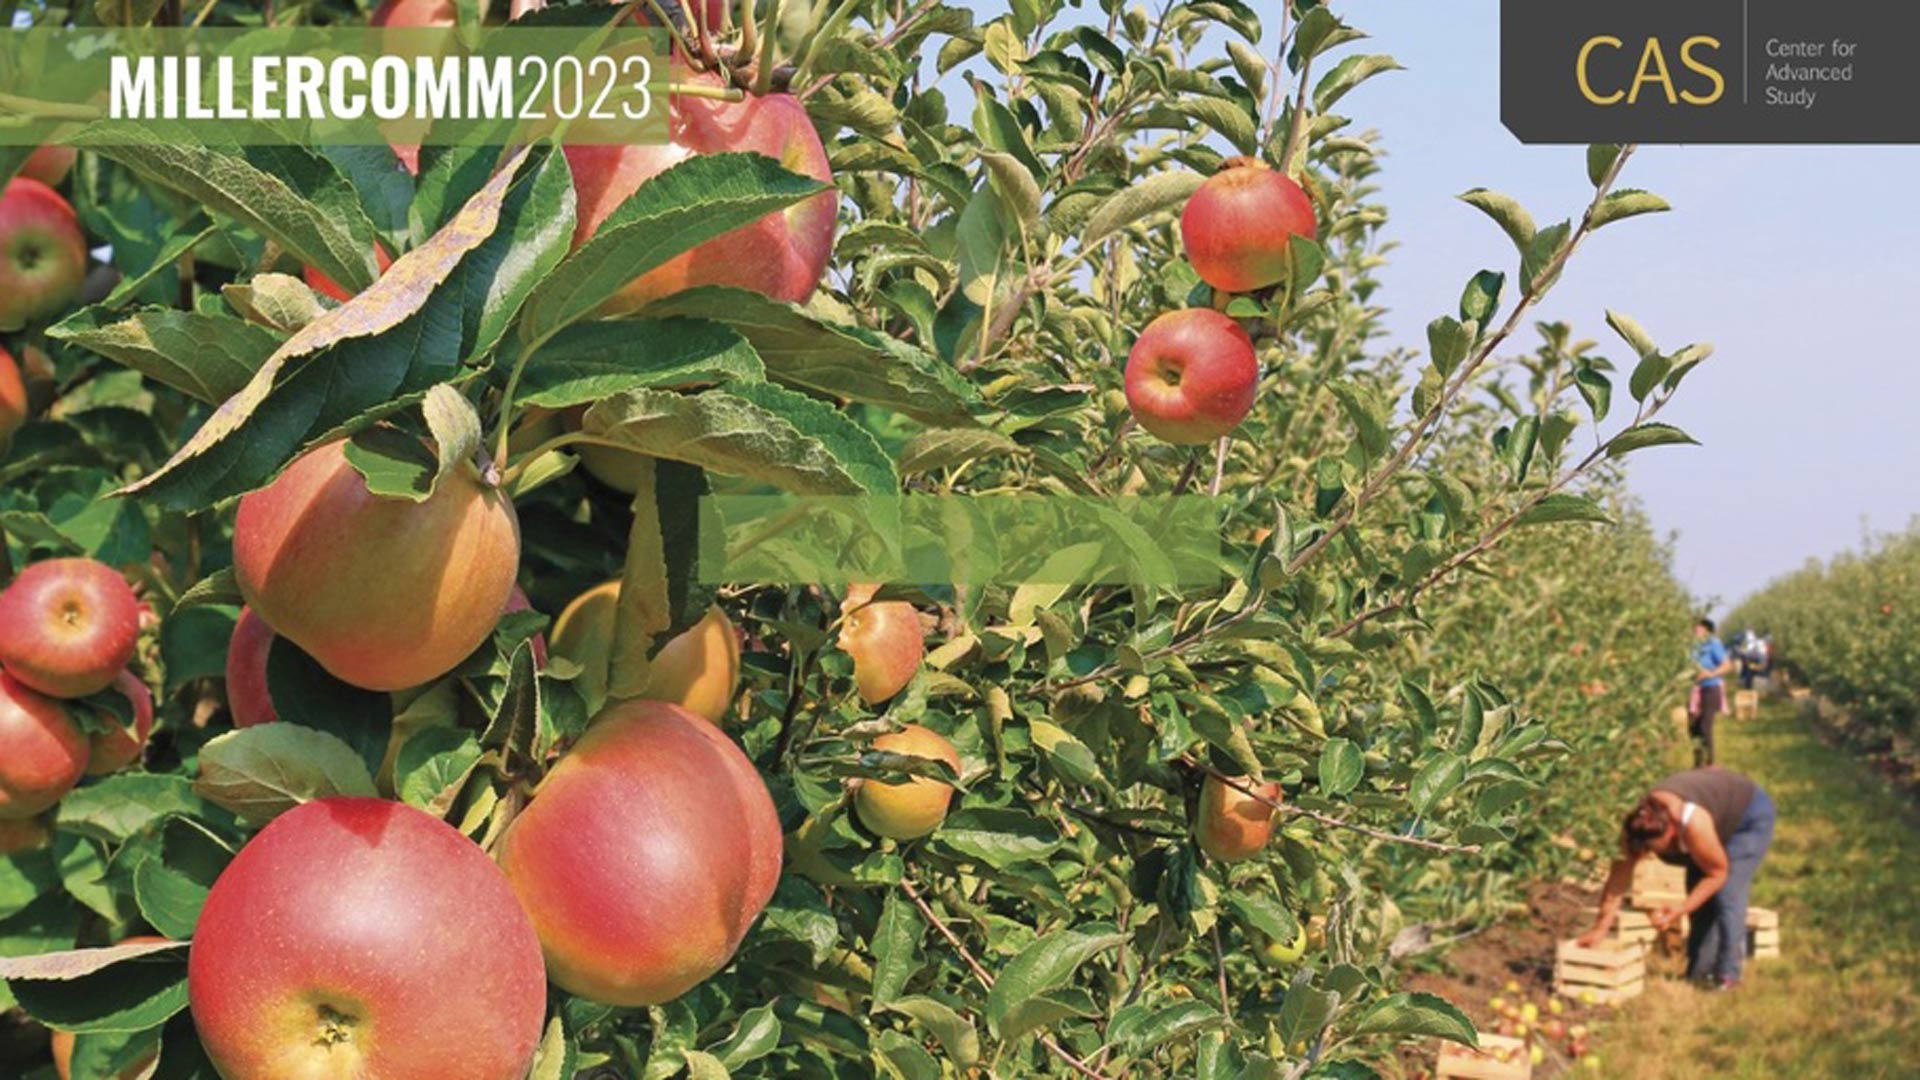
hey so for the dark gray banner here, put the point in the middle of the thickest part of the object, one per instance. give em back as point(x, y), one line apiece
point(1710, 71)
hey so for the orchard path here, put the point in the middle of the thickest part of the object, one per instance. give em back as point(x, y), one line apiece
point(1843, 1002)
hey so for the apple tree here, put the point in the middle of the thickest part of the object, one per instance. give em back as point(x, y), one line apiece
point(397, 456)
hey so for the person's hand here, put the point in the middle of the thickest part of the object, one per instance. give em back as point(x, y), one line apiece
point(1665, 918)
point(1591, 938)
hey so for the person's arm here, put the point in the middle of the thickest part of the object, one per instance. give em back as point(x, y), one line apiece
point(1619, 880)
point(1703, 845)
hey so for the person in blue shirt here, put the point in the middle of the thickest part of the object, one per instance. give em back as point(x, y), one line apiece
point(1711, 663)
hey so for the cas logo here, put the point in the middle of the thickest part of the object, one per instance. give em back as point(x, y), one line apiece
point(1603, 65)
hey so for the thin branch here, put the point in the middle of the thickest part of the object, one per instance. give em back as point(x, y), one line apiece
point(980, 973)
point(1220, 973)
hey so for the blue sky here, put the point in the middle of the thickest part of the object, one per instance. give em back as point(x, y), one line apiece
point(1801, 265)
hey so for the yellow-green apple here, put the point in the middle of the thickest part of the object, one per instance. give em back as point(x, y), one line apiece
point(783, 255)
point(42, 753)
point(912, 808)
point(247, 698)
point(21, 834)
point(50, 164)
point(13, 399)
point(1237, 227)
point(385, 593)
point(1233, 825)
point(644, 855)
point(696, 669)
point(63, 1041)
point(1278, 952)
point(885, 641)
point(43, 256)
point(358, 937)
point(71, 626)
point(114, 749)
point(1191, 376)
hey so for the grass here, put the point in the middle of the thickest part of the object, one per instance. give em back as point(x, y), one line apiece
point(1844, 873)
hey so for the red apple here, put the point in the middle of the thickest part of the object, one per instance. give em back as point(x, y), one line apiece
point(385, 593)
point(783, 255)
point(1232, 824)
point(42, 753)
point(414, 13)
point(111, 751)
point(247, 697)
point(885, 641)
point(360, 937)
point(913, 808)
point(50, 164)
point(13, 399)
point(644, 856)
point(328, 287)
point(1191, 376)
point(71, 626)
point(23, 834)
point(1236, 228)
point(43, 256)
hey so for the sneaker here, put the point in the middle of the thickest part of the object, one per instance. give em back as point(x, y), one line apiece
point(1725, 982)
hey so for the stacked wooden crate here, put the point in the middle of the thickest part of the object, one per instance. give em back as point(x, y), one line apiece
point(1763, 933)
point(1657, 885)
point(1499, 1058)
point(1606, 974)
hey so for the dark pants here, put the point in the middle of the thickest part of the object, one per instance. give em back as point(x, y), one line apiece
point(1709, 702)
point(1717, 943)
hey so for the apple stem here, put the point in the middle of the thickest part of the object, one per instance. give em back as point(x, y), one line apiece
point(1219, 464)
point(769, 47)
point(717, 93)
point(673, 28)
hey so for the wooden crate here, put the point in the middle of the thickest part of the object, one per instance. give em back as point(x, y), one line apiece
point(1746, 704)
point(1657, 885)
point(1635, 927)
point(1800, 693)
point(1602, 975)
point(1763, 933)
point(1679, 718)
point(1462, 1063)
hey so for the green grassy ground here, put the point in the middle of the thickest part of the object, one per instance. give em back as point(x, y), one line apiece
point(1843, 1002)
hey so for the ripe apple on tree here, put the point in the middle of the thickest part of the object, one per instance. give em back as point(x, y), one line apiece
point(71, 626)
point(1237, 228)
point(42, 753)
point(644, 855)
point(885, 641)
point(1191, 376)
point(247, 698)
point(911, 808)
point(696, 669)
point(121, 745)
point(360, 937)
point(50, 164)
point(43, 256)
point(13, 399)
point(385, 594)
point(1231, 824)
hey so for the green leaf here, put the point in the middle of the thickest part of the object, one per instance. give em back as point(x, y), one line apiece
point(896, 948)
point(1436, 780)
point(362, 360)
point(1600, 158)
point(263, 771)
point(1147, 1029)
point(1507, 213)
point(1265, 913)
point(753, 430)
point(433, 765)
point(556, 1059)
point(1019, 191)
point(1561, 506)
point(1540, 257)
point(1641, 436)
point(394, 464)
point(455, 427)
point(590, 361)
point(955, 1032)
point(1448, 340)
point(704, 1066)
point(1596, 388)
point(1649, 373)
point(1040, 1011)
point(1228, 118)
point(947, 448)
point(1348, 74)
point(495, 280)
point(1481, 298)
point(999, 838)
point(1043, 966)
point(1626, 203)
point(117, 807)
point(280, 303)
point(693, 202)
point(1416, 1014)
point(1159, 193)
point(290, 194)
point(168, 899)
point(802, 350)
point(209, 357)
point(122, 988)
point(1632, 333)
point(756, 1036)
point(1341, 767)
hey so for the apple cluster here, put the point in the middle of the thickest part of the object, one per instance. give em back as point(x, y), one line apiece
point(1192, 374)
